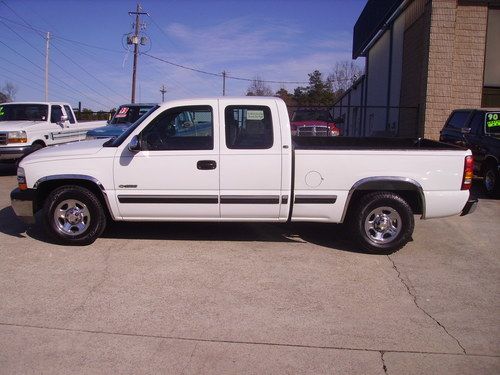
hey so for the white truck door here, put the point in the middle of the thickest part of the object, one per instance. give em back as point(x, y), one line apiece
point(175, 176)
point(250, 161)
point(63, 131)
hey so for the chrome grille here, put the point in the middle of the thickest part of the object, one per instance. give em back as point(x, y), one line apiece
point(3, 138)
point(313, 131)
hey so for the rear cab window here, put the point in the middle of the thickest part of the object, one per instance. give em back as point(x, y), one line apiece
point(248, 127)
point(458, 120)
point(69, 113)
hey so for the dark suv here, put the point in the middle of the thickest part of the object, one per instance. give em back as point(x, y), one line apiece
point(479, 130)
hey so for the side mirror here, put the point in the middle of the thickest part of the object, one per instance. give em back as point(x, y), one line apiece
point(465, 130)
point(135, 144)
point(62, 120)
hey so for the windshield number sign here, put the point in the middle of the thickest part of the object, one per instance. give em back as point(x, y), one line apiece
point(122, 113)
point(492, 120)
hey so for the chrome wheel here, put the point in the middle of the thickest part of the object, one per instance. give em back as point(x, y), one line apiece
point(489, 180)
point(72, 217)
point(383, 224)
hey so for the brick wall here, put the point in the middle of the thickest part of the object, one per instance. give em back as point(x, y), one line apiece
point(456, 61)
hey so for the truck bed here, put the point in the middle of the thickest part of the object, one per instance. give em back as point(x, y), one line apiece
point(368, 143)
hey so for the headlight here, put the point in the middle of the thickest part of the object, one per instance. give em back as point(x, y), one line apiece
point(21, 179)
point(17, 137)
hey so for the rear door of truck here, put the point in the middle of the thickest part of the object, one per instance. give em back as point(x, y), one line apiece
point(251, 166)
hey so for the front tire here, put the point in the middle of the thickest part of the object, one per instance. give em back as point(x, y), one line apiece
point(381, 222)
point(73, 215)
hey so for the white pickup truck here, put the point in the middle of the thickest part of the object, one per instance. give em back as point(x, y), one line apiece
point(27, 127)
point(235, 160)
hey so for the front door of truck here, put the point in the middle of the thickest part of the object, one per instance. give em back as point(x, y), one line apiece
point(175, 175)
point(250, 161)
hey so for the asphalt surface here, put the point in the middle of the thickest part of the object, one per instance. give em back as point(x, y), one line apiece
point(250, 299)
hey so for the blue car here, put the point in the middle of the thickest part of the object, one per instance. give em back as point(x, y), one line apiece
point(125, 116)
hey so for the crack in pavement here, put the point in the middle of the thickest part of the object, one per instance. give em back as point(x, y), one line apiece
point(384, 367)
point(97, 285)
point(414, 297)
point(227, 341)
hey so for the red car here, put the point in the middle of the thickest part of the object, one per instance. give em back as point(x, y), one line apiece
point(313, 122)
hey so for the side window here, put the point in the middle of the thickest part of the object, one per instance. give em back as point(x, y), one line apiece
point(55, 114)
point(248, 127)
point(477, 123)
point(69, 113)
point(180, 128)
point(458, 120)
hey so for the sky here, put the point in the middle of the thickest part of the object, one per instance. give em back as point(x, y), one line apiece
point(277, 40)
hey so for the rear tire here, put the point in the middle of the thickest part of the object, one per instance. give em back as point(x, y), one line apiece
point(73, 215)
point(381, 222)
point(491, 180)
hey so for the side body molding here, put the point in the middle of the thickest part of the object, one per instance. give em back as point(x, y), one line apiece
point(390, 183)
point(77, 177)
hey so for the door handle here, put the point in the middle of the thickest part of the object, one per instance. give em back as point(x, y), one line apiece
point(206, 164)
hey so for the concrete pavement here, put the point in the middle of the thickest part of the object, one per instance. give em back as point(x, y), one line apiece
point(248, 298)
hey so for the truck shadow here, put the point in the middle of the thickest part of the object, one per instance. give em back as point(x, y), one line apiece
point(332, 236)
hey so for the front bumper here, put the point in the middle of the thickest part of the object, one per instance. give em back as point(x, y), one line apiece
point(22, 204)
point(14, 153)
point(469, 207)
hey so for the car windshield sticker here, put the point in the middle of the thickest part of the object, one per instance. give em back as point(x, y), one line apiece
point(255, 115)
point(122, 113)
point(492, 121)
point(2, 112)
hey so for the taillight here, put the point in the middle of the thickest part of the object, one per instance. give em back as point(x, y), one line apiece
point(468, 172)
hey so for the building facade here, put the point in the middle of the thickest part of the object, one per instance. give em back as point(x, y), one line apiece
point(423, 59)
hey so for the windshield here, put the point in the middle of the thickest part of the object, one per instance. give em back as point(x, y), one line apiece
point(115, 142)
point(492, 123)
point(23, 112)
point(129, 114)
point(312, 116)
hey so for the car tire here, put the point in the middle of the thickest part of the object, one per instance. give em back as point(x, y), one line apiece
point(73, 215)
point(491, 180)
point(381, 222)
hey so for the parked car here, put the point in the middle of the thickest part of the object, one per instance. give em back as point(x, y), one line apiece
point(243, 166)
point(478, 130)
point(313, 123)
point(125, 116)
point(27, 127)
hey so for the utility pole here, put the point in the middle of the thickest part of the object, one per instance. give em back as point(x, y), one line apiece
point(224, 83)
point(47, 42)
point(135, 41)
point(163, 90)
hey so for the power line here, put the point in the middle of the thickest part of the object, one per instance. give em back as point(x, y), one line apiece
point(56, 64)
point(220, 74)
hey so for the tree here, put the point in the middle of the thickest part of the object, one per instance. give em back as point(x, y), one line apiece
point(318, 92)
point(8, 92)
point(344, 74)
point(286, 96)
point(259, 88)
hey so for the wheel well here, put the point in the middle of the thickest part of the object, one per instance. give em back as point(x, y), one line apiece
point(45, 188)
point(39, 142)
point(412, 197)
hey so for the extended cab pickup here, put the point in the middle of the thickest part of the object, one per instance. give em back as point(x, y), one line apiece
point(27, 127)
point(233, 159)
